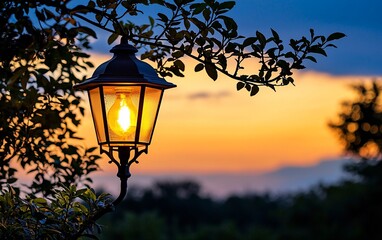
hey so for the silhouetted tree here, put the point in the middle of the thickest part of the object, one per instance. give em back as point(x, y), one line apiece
point(360, 123)
point(43, 55)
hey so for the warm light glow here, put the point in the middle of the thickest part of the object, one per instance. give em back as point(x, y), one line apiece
point(122, 115)
point(207, 126)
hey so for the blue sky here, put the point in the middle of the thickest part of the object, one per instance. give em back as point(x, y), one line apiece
point(358, 54)
point(297, 116)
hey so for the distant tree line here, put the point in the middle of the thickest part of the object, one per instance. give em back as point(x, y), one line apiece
point(348, 210)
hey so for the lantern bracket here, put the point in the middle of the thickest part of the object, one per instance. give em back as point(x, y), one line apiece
point(127, 156)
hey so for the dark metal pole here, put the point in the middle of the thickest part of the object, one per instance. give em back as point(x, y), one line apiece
point(123, 172)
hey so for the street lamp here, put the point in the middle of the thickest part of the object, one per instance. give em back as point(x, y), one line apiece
point(125, 95)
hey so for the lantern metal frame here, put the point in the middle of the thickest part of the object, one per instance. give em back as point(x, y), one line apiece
point(124, 69)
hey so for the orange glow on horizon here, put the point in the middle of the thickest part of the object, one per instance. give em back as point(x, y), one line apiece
point(207, 126)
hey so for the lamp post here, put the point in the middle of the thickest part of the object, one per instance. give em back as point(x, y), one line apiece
point(125, 96)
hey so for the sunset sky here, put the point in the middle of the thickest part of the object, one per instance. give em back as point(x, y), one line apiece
point(209, 127)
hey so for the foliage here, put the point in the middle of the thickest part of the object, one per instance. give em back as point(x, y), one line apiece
point(61, 217)
point(359, 125)
point(43, 55)
point(348, 210)
point(39, 110)
point(203, 31)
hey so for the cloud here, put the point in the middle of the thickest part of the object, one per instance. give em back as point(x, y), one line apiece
point(208, 95)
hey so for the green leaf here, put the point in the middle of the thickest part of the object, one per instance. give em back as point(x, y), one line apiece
point(152, 21)
point(240, 85)
point(335, 36)
point(40, 201)
point(211, 71)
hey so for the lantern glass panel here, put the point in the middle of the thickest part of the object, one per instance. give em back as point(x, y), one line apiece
point(121, 107)
point(96, 106)
point(152, 100)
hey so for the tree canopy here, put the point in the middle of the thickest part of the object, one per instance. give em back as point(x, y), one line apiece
point(359, 124)
point(44, 52)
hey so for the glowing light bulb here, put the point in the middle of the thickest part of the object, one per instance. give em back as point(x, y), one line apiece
point(122, 116)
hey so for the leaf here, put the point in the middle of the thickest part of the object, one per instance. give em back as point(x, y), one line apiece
point(229, 23)
point(255, 89)
point(163, 17)
point(227, 5)
point(11, 180)
point(318, 49)
point(207, 14)
point(331, 45)
point(311, 33)
point(92, 149)
point(311, 58)
point(272, 87)
point(335, 36)
point(99, 17)
point(186, 23)
point(147, 54)
point(40, 16)
point(88, 31)
point(112, 38)
point(211, 71)
point(222, 61)
point(91, 4)
point(179, 64)
point(177, 54)
point(268, 75)
point(275, 36)
point(261, 38)
point(40, 201)
point(198, 8)
point(249, 41)
point(199, 67)
point(152, 21)
point(240, 85)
